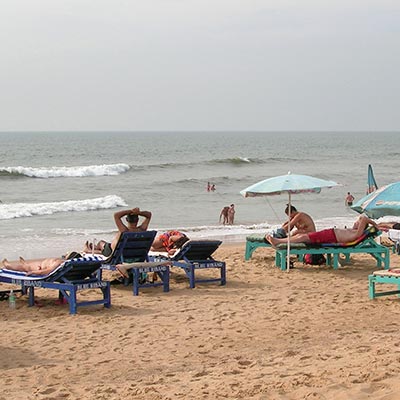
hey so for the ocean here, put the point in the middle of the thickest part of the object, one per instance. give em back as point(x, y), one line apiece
point(60, 189)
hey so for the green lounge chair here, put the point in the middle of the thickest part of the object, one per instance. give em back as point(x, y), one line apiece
point(364, 244)
point(253, 242)
point(389, 276)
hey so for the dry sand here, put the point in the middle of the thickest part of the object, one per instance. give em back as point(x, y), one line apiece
point(312, 333)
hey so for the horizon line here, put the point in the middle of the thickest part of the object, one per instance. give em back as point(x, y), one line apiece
point(201, 131)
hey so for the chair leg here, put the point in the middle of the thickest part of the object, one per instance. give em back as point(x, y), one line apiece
point(371, 287)
point(165, 278)
point(72, 301)
point(247, 254)
point(31, 293)
point(107, 295)
point(192, 282)
point(136, 281)
point(223, 275)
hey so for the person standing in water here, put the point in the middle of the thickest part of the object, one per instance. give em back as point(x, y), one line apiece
point(348, 201)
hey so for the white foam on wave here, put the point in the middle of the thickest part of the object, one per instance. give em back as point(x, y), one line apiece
point(20, 210)
point(62, 172)
point(223, 232)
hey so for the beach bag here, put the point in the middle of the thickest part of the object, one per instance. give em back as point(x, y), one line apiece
point(314, 259)
point(279, 233)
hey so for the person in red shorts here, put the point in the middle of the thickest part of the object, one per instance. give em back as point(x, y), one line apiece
point(333, 235)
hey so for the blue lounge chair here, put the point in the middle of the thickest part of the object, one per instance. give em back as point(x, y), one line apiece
point(69, 278)
point(133, 248)
point(390, 276)
point(364, 244)
point(195, 255)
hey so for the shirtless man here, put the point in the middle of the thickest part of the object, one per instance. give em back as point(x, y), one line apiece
point(333, 235)
point(223, 217)
point(299, 220)
point(348, 201)
point(132, 219)
point(41, 266)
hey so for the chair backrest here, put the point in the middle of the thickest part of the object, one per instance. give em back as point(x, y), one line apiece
point(76, 270)
point(196, 250)
point(132, 247)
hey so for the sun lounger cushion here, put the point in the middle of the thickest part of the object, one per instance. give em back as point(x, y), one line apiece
point(256, 237)
point(369, 232)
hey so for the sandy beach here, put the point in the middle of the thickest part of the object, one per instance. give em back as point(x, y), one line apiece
point(312, 333)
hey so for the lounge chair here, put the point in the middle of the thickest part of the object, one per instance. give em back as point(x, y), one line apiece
point(364, 244)
point(195, 255)
point(253, 242)
point(133, 248)
point(389, 276)
point(68, 278)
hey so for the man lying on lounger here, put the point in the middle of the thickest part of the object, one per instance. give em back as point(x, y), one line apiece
point(333, 235)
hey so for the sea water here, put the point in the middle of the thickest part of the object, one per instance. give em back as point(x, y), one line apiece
point(60, 189)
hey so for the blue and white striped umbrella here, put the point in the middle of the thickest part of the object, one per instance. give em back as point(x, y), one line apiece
point(384, 201)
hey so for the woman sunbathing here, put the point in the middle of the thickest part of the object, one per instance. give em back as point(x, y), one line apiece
point(42, 266)
point(169, 241)
point(333, 235)
point(385, 226)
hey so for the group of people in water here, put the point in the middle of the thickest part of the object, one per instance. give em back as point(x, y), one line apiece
point(227, 216)
point(126, 221)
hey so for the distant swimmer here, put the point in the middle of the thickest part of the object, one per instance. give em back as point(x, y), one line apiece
point(348, 201)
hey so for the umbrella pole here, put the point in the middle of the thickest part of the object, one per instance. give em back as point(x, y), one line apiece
point(288, 242)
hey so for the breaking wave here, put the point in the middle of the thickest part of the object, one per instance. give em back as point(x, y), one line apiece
point(62, 172)
point(20, 210)
point(237, 161)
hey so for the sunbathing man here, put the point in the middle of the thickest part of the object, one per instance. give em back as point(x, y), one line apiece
point(299, 220)
point(132, 219)
point(42, 266)
point(333, 235)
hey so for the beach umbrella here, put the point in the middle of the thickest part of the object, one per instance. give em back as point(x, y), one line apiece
point(372, 186)
point(384, 201)
point(290, 184)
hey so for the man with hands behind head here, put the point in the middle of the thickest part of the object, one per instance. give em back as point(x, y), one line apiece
point(129, 225)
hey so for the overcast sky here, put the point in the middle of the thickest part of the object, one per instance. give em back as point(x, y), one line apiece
point(200, 65)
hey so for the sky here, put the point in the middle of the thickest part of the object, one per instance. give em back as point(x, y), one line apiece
point(200, 65)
